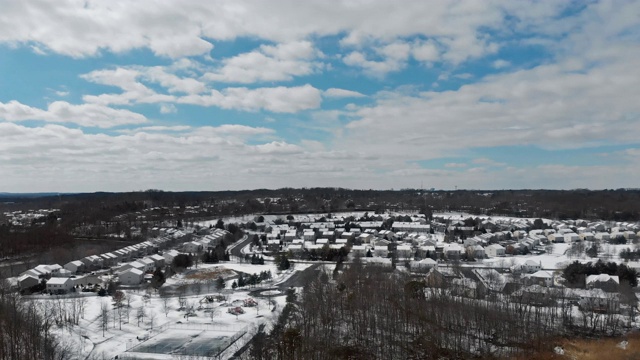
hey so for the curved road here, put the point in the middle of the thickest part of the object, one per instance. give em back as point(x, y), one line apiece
point(236, 249)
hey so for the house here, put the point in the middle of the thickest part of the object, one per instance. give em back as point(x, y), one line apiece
point(555, 238)
point(309, 235)
point(27, 281)
point(531, 266)
point(295, 248)
point(542, 278)
point(494, 250)
point(423, 265)
point(59, 285)
point(586, 236)
point(347, 235)
point(92, 262)
point(62, 273)
point(608, 283)
point(359, 250)
point(169, 256)
point(404, 251)
point(192, 247)
point(381, 251)
point(157, 260)
point(75, 266)
point(149, 265)
point(131, 276)
point(365, 238)
point(597, 300)
point(35, 273)
point(453, 251)
point(476, 251)
point(570, 237)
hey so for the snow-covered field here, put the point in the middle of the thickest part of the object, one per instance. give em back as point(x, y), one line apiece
point(161, 321)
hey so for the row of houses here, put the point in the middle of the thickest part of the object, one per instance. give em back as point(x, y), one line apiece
point(54, 275)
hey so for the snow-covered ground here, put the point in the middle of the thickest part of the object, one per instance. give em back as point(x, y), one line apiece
point(161, 321)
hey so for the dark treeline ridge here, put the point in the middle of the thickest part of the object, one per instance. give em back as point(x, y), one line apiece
point(368, 312)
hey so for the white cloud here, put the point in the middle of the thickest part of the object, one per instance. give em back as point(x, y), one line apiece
point(182, 29)
point(168, 109)
point(281, 62)
point(501, 64)
point(426, 52)
point(88, 115)
point(276, 99)
point(455, 165)
point(341, 93)
point(487, 162)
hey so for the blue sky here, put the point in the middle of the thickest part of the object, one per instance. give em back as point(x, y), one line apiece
point(192, 95)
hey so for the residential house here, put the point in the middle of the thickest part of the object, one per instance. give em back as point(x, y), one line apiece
point(476, 252)
point(27, 281)
point(555, 238)
point(453, 251)
point(423, 265)
point(75, 266)
point(158, 260)
point(404, 251)
point(531, 266)
point(192, 247)
point(542, 278)
point(494, 250)
point(59, 285)
point(149, 265)
point(608, 283)
point(131, 276)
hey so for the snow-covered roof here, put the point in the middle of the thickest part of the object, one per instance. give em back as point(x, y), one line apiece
point(602, 278)
point(58, 281)
point(541, 275)
point(133, 271)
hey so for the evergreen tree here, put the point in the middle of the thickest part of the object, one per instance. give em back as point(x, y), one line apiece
point(220, 283)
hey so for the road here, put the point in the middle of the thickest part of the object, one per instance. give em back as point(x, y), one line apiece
point(301, 278)
point(236, 250)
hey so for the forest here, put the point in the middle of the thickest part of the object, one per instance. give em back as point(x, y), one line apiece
point(366, 312)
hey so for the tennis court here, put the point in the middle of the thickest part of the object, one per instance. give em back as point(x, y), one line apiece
point(186, 342)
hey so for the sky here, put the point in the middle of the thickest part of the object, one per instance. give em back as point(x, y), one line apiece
point(228, 95)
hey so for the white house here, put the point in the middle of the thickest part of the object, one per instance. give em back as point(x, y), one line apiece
point(381, 251)
point(169, 255)
point(556, 238)
point(424, 264)
point(75, 266)
point(365, 238)
point(359, 250)
point(157, 260)
point(59, 285)
point(453, 251)
point(494, 250)
point(149, 265)
point(571, 237)
point(531, 266)
point(131, 276)
point(541, 277)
